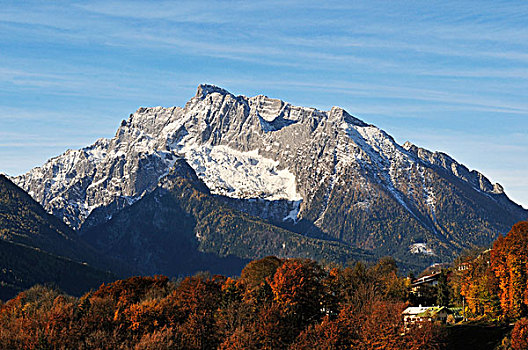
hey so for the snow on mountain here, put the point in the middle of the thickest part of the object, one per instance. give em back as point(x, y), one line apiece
point(420, 248)
point(240, 174)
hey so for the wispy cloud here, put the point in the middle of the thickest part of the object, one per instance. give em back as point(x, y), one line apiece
point(379, 91)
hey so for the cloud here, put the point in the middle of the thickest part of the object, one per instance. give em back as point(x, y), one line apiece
point(380, 91)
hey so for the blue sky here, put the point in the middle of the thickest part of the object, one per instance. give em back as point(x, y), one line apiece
point(446, 75)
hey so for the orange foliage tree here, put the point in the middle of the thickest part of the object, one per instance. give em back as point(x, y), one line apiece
point(519, 336)
point(475, 281)
point(297, 289)
point(509, 260)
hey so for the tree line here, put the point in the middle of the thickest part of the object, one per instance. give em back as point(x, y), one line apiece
point(276, 303)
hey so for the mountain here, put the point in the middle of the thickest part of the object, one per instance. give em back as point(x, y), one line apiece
point(36, 247)
point(322, 174)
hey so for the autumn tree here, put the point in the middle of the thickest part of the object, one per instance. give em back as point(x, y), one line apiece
point(198, 299)
point(329, 334)
point(509, 260)
point(259, 271)
point(298, 290)
point(474, 281)
point(519, 335)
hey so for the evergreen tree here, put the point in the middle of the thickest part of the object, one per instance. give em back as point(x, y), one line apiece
point(442, 292)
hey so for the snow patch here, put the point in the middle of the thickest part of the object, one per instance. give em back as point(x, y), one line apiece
point(293, 214)
point(421, 248)
point(240, 174)
point(363, 205)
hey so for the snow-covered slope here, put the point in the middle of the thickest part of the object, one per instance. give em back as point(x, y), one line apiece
point(339, 176)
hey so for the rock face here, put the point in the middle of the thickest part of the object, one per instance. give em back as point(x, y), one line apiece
point(319, 173)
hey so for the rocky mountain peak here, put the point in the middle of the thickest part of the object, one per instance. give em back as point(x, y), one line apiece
point(341, 114)
point(206, 89)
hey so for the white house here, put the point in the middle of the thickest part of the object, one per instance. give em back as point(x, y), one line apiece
point(414, 314)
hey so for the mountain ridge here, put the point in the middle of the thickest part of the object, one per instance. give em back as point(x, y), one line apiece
point(180, 228)
point(36, 247)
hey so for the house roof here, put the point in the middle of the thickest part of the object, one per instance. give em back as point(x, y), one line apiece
point(415, 310)
point(433, 311)
point(426, 279)
point(425, 311)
